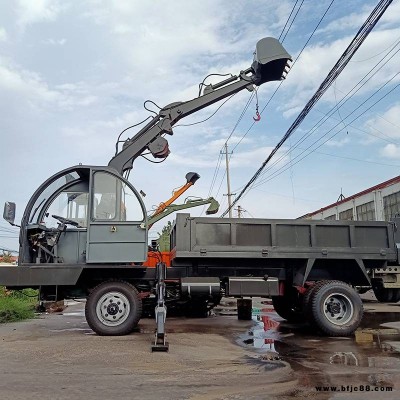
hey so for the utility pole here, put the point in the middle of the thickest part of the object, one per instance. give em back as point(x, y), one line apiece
point(228, 182)
point(239, 211)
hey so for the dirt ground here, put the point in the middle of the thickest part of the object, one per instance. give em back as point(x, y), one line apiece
point(57, 356)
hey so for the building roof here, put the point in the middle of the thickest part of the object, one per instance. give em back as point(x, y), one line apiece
point(382, 185)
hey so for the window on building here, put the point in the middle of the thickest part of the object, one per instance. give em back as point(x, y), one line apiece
point(346, 215)
point(391, 205)
point(333, 216)
point(366, 212)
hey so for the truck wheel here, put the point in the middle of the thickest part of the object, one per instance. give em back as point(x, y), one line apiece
point(396, 295)
point(336, 308)
point(113, 308)
point(384, 295)
point(289, 307)
point(197, 308)
point(307, 311)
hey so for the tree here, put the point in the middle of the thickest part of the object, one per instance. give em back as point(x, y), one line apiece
point(163, 239)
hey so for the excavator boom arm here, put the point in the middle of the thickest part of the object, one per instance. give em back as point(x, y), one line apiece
point(270, 63)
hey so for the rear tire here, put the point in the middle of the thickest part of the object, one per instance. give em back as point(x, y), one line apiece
point(396, 295)
point(113, 308)
point(289, 306)
point(385, 295)
point(336, 308)
point(307, 311)
point(197, 308)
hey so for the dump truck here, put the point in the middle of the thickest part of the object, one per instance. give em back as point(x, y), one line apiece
point(84, 233)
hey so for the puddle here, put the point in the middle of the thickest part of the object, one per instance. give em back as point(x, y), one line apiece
point(318, 360)
point(264, 333)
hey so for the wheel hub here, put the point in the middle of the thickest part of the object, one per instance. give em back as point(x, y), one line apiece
point(113, 308)
point(338, 308)
point(334, 307)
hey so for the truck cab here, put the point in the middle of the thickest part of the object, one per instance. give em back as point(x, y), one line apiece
point(84, 215)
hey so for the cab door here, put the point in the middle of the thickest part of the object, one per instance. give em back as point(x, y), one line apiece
point(117, 230)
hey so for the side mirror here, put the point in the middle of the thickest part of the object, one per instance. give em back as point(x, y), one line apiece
point(9, 212)
point(270, 61)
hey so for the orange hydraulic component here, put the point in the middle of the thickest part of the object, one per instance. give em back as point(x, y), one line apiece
point(153, 257)
point(191, 178)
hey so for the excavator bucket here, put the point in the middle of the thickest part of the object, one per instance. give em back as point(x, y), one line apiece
point(270, 61)
point(213, 207)
point(192, 177)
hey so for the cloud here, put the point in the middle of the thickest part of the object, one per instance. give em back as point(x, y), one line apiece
point(356, 19)
point(24, 85)
point(388, 123)
point(318, 59)
point(3, 35)
point(391, 151)
point(214, 146)
point(338, 143)
point(31, 12)
point(243, 159)
point(55, 42)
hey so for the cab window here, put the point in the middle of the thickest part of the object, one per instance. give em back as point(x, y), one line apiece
point(69, 205)
point(113, 200)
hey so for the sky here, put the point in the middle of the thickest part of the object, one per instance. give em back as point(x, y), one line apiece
point(74, 74)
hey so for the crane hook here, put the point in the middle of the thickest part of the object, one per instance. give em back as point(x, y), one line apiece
point(257, 117)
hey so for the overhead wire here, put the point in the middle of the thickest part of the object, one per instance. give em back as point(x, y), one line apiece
point(349, 95)
point(254, 93)
point(301, 4)
point(288, 19)
point(357, 41)
point(355, 159)
point(293, 64)
point(283, 169)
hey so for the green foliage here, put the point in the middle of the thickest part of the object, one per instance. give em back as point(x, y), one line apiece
point(163, 239)
point(166, 230)
point(17, 305)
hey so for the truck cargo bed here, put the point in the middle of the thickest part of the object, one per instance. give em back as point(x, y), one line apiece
point(198, 237)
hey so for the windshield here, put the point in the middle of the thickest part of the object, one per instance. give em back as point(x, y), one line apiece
point(49, 191)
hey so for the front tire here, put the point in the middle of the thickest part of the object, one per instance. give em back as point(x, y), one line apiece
point(336, 308)
point(113, 308)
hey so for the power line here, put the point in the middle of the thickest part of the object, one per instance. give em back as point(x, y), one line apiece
point(355, 44)
point(280, 84)
point(295, 16)
point(355, 159)
point(294, 63)
point(287, 21)
point(283, 169)
point(248, 104)
point(355, 89)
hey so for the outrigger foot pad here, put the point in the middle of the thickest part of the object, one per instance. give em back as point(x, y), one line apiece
point(160, 345)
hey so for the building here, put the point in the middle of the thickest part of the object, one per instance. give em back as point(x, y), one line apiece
point(378, 203)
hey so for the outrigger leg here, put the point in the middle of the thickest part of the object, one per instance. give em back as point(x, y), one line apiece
point(161, 310)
